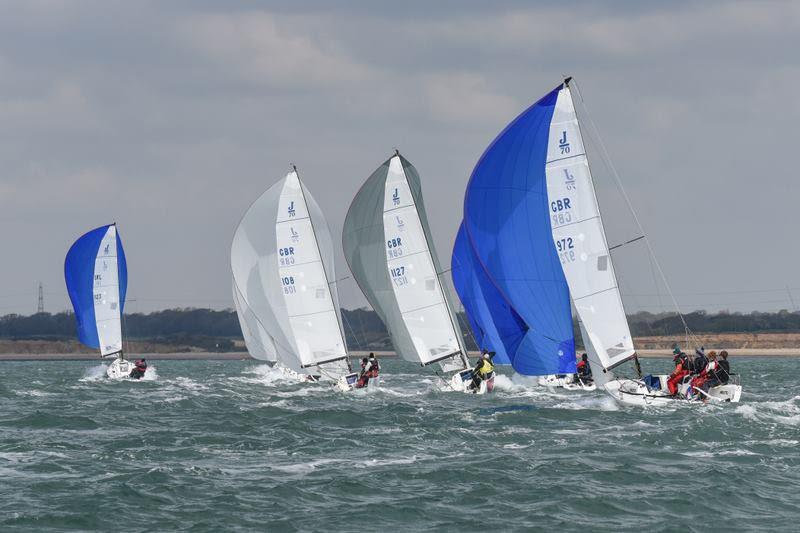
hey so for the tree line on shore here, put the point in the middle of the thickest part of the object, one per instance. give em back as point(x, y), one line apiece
point(218, 330)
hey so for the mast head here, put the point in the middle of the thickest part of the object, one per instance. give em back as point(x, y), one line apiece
point(294, 168)
point(397, 152)
point(567, 79)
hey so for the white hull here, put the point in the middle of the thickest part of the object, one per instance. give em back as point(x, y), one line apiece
point(460, 382)
point(567, 382)
point(635, 392)
point(348, 382)
point(119, 369)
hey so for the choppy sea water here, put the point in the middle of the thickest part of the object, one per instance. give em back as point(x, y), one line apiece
point(231, 445)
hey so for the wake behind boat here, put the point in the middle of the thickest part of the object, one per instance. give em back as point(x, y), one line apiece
point(388, 247)
point(96, 275)
point(284, 287)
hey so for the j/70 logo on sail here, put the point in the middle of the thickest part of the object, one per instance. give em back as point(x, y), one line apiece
point(396, 197)
point(291, 209)
point(563, 144)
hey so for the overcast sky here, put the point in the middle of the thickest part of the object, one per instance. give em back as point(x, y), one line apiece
point(172, 117)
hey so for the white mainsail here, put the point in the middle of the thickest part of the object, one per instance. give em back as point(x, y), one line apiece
point(415, 282)
point(580, 239)
point(106, 295)
point(282, 262)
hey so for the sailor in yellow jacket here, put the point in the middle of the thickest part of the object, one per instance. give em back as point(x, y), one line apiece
point(483, 370)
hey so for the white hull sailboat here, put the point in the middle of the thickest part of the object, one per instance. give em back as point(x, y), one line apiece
point(537, 179)
point(96, 275)
point(284, 286)
point(567, 382)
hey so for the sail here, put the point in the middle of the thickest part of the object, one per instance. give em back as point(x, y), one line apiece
point(96, 275)
point(258, 342)
point(486, 311)
point(506, 218)
point(580, 238)
point(282, 262)
point(388, 246)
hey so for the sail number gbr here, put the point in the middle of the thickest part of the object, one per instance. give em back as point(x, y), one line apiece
point(399, 275)
point(566, 250)
point(394, 247)
point(288, 285)
point(286, 256)
point(560, 211)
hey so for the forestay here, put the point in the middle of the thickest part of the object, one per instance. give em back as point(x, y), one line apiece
point(388, 247)
point(282, 263)
point(97, 278)
point(580, 239)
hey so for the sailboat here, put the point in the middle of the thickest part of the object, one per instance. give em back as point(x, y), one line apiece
point(284, 285)
point(96, 275)
point(388, 247)
point(537, 179)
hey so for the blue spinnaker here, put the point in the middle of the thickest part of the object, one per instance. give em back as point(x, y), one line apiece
point(507, 221)
point(79, 273)
point(487, 312)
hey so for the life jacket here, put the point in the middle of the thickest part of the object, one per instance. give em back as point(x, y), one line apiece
point(581, 367)
point(374, 369)
point(485, 368)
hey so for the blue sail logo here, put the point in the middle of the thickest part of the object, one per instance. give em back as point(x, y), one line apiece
point(105, 250)
point(396, 197)
point(401, 226)
point(295, 235)
point(291, 209)
point(563, 144)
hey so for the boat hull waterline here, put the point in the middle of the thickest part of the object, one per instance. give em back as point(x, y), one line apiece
point(636, 392)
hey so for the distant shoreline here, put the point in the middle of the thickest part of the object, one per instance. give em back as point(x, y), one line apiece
point(243, 356)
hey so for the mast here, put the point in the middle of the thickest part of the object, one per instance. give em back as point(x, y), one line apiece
point(119, 299)
point(456, 330)
point(324, 273)
point(567, 80)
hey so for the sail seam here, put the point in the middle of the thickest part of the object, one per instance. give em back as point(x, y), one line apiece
point(594, 293)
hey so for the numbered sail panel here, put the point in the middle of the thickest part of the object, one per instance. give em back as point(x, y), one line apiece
point(317, 337)
point(292, 205)
point(296, 243)
point(584, 258)
point(609, 336)
point(412, 273)
point(105, 291)
point(565, 139)
point(569, 192)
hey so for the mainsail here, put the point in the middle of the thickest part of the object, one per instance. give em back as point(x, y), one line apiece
point(388, 246)
point(581, 239)
point(97, 278)
point(282, 263)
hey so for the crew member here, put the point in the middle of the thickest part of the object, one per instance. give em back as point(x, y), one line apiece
point(681, 370)
point(700, 361)
point(483, 370)
point(140, 367)
point(584, 370)
point(723, 367)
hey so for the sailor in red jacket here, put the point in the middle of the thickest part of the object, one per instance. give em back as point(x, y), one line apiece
point(140, 369)
point(681, 371)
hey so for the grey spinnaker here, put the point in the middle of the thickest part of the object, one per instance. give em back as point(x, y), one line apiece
point(388, 246)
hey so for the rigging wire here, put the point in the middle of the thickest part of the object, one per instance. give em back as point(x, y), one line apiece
point(607, 161)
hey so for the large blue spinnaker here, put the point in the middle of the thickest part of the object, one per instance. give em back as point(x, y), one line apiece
point(97, 279)
point(493, 322)
point(507, 222)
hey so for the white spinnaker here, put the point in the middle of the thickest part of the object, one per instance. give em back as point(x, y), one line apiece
point(259, 344)
point(580, 239)
point(414, 279)
point(106, 295)
point(305, 283)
